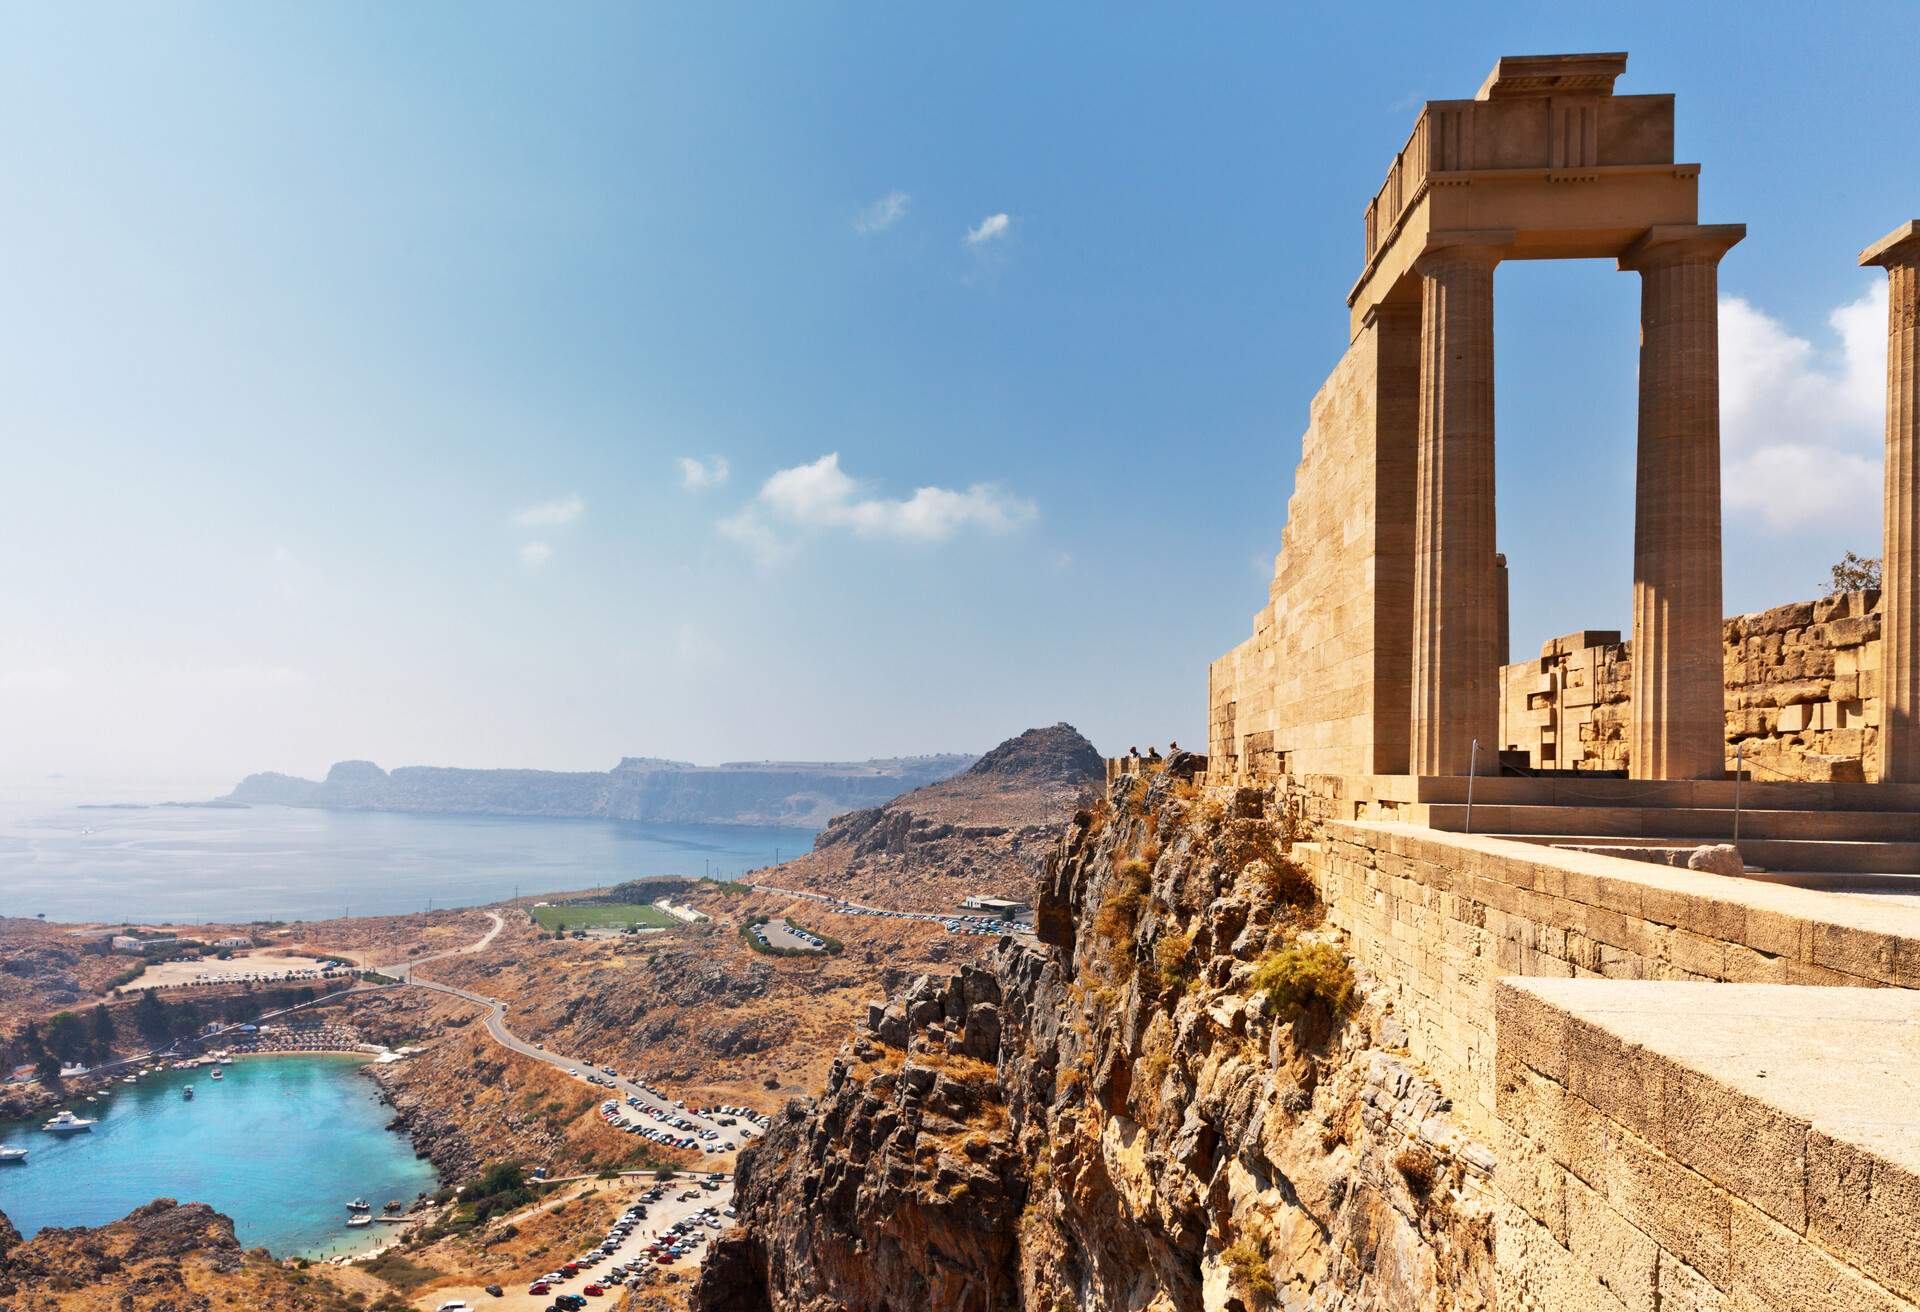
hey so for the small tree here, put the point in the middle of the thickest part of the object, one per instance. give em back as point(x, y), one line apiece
point(1856, 573)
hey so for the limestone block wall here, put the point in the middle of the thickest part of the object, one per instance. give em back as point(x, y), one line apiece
point(1323, 682)
point(1437, 918)
point(1625, 1180)
point(1802, 682)
point(1718, 1147)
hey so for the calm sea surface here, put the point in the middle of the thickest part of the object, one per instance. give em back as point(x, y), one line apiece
point(279, 1144)
point(69, 862)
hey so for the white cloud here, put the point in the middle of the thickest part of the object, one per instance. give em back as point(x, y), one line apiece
point(991, 228)
point(535, 554)
point(701, 474)
point(821, 496)
point(1801, 428)
point(882, 214)
point(551, 514)
point(45, 679)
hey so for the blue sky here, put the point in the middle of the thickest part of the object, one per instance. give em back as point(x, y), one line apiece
point(353, 354)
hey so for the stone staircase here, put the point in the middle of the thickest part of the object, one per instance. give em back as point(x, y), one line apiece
point(1827, 835)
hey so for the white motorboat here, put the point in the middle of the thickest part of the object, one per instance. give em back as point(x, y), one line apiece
point(359, 1219)
point(8, 1154)
point(218, 1073)
point(359, 1205)
point(67, 1123)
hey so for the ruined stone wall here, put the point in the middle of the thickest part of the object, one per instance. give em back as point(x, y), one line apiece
point(1803, 694)
point(1322, 684)
point(1438, 918)
point(1625, 1180)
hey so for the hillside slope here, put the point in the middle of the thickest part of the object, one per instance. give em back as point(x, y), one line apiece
point(982, 831)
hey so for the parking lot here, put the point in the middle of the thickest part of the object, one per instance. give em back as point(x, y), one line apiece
point(672, 1208)
point(779, 934)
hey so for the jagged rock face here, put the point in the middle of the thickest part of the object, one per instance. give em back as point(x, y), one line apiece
point(1157, 1133)
point(985, 830)
point(1057, 754)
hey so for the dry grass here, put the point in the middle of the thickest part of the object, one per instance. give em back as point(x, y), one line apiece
point(1417, 1167)
point(1304, 976)
point(1247, 1259)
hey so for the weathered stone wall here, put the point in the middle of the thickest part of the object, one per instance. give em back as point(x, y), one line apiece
point(1618, 1187)
point(1437, 918)
point(1323, 682)
point(1803, 694)
point(1706, 1148)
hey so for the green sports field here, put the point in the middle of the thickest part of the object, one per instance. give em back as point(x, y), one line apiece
point(601, 915)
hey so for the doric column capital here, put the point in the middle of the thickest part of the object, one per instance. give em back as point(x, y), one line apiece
point(1463, 248)
point(1899, 247)
point(1391, 312)
point(1681, 243)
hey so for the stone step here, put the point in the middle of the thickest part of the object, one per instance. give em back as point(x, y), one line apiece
point(1707, 824)
point(1685, 794)
point(1810, 863)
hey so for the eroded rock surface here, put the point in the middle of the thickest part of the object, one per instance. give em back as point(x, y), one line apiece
point(1122, 1117)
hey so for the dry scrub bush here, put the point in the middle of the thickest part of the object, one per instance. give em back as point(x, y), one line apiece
point(1418, 1169)
point(1119, 913)
point(1302, 976)
point(1247, 1259)
point(1170, 967)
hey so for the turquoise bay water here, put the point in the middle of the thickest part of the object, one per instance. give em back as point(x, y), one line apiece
point(68, 862)
point(279, 1144)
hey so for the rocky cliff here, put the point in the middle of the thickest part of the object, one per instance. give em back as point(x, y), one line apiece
point(1184, 1098)
point(164, 1257)
point(984, 830)
point(800, 793)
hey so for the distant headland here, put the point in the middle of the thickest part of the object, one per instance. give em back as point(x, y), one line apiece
point(797, 793)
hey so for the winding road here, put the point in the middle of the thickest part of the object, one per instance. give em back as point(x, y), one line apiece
point(495, 1017)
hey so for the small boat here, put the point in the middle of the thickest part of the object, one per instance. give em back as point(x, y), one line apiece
point(67, 1123)
point(218, 1073)
point(359, 1205)
point(130, 1079)
point(394, 1205)
point(187, 1093)
point(10, 1154)
point(359, 1219)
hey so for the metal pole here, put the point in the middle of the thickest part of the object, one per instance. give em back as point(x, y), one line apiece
point(1739, 768)
point(1473, 768)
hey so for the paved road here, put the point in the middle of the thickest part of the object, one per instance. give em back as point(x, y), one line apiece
point(495, 1016)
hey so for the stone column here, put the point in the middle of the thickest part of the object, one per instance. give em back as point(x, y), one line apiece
point(1679, 682)
point(1456, 694)
point(1899, 254)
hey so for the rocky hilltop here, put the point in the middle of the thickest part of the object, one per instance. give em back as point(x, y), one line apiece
point(800, 793)
point(983, 830)
point(164, 1257)
point(1183, 1098)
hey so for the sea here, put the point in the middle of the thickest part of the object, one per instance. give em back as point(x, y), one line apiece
point(280, 1144)
point(114, 852)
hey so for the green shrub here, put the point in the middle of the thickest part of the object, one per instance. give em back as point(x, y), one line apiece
point(1247, 1260)
point(1304, 975)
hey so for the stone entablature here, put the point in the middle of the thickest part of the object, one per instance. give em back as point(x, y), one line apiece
point(1802, 695)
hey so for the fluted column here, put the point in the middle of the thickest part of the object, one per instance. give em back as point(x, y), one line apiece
point(1456, 695)
point(1679, 682)
point(1899, 254)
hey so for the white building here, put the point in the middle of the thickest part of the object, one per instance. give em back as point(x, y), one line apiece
point(234, 941)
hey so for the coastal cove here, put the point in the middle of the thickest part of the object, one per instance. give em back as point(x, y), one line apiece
point(278, 1143)
point(183, 864)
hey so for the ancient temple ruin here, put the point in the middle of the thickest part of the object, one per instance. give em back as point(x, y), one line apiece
point(1380, 647)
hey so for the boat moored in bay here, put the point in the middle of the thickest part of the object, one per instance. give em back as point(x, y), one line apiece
point(67, 1123)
